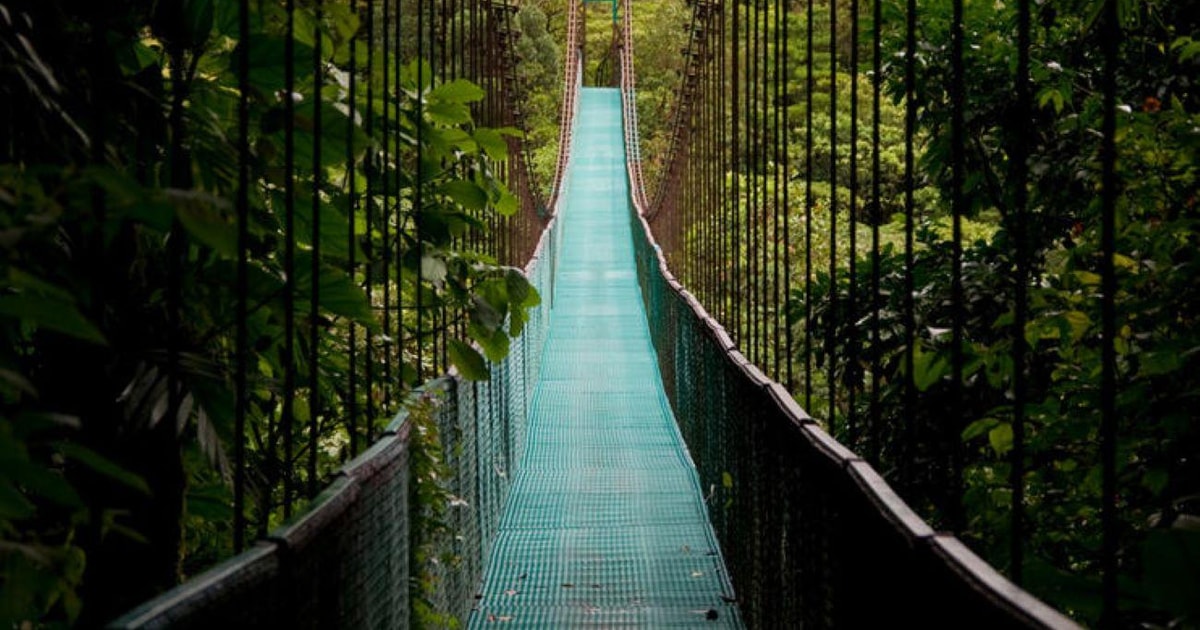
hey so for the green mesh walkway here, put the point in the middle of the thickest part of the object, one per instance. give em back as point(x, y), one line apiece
point(605, 525)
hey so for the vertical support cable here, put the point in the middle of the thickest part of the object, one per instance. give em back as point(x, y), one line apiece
point(368, 265)
point(778, 181)
point(242, 344)
point(955, 519)
point(765, 142)
point(1020, 179)
point(441, 39)
point(289, 259)
point(752, 242)
point(808, 205)
point(786, 76)
point(728, 198)
point(390, 207)
point(735, 172)
point(352, 246)
point(852, 361)
point(754, 172)
point(830, 327)
point(876, 411)
point(909, 316)
point(1111, 42)
point(418, 183)
point(400, 216)
point(314, 373)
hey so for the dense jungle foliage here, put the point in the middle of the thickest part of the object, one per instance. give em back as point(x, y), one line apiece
point(119, 186)
point(1157, 244)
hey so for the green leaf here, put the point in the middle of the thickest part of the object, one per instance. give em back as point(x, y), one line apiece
point(1156, 479)
point(198, 20)
point(507, 205)
point(19, 279)
point(1187, 48)
point(465, 193)
point(492, 143)
point(209, 503)
point(334, 123)
point(469, 362)
point(1158, 363)
point(520, 292)
point(1051, 96)
point(416, 71)
point(978, 428)
point(40, 482)
point(17, 382)
point(455, 138)
point(1077, 323)
point(1001, 438)
point(267, 62)
point(102, 465)
point(457, 91)
point(13, 505)
point(449, 114)
point(334, 229)
point(337, 291)
point(516, 323)
point(208, 226)
point(928, 368)
point(50, 314)
point(493, 293)
point(495, 346)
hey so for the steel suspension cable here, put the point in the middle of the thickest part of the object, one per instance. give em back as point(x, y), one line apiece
point(418, 185)
point(388, 210)
point(314, 315)
point(753, 274)
point(877, 213)
point(352, 410)
point(808, 207)
point(908, 443)
point(1110, 28)
point(735, 167)
point(289, 259)
point(852, 360)
point(242, 341)
point(394, 138)
point(955, 518)
point(1020, 179)
point(789, 343)
point(778, 181)
point(370, 168)
point(830, 327)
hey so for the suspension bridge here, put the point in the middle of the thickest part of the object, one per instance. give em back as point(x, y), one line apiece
point(595, 475)
point(639, 457)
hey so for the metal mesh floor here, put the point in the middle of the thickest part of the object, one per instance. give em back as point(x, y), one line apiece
point(605, 525)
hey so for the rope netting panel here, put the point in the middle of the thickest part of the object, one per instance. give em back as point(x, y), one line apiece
point(605, 525)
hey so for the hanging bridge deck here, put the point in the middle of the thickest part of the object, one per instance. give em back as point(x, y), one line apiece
point(605, 524)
